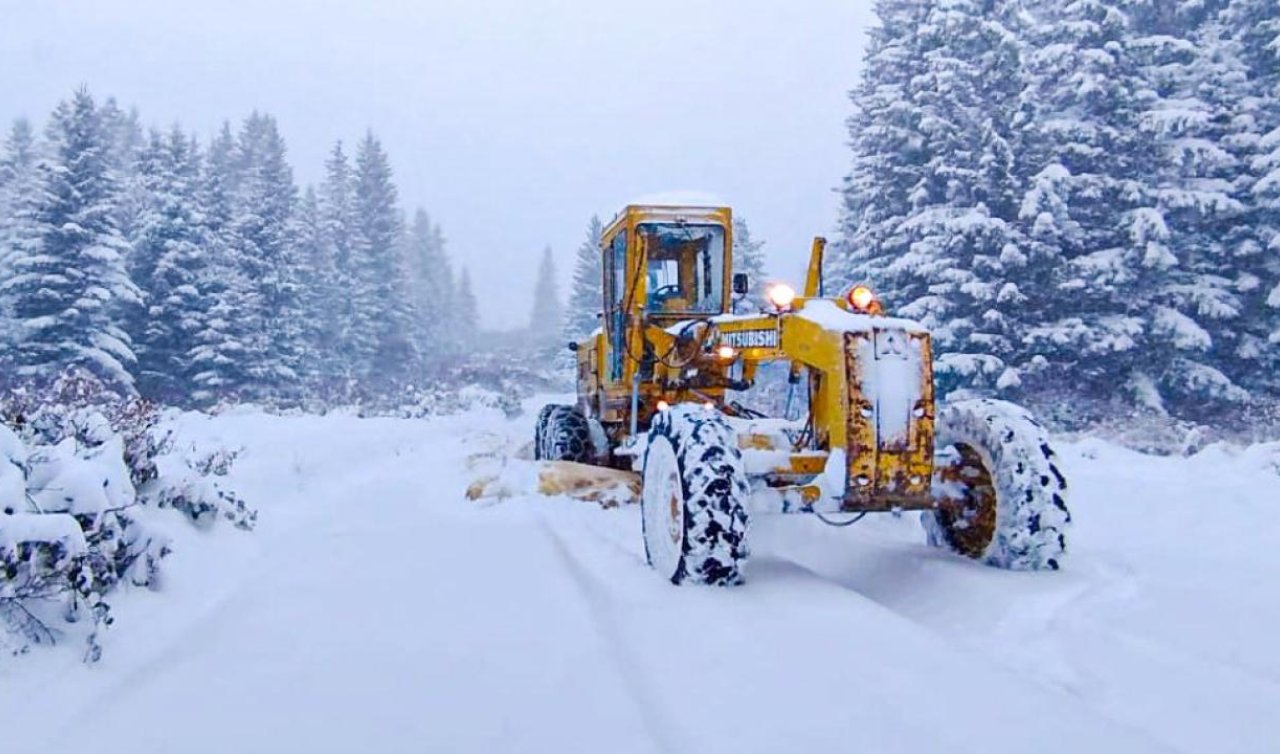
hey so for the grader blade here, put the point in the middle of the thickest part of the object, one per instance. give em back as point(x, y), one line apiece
point(606, 487)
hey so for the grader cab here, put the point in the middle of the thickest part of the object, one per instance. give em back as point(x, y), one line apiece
point(662, 386)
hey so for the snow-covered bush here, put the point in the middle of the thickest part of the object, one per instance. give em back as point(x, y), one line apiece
point(77, 464)
point(497, 380)
point(193, 482)
point(439, 400)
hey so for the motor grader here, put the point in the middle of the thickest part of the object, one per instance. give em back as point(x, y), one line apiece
point(662, 387)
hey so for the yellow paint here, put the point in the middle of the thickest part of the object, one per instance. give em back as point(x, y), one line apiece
point(690, 371)
point(813, 280)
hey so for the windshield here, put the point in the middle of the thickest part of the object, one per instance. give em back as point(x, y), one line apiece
point(686, 267)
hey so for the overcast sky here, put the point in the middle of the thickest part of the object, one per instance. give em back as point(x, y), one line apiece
point(510, 122)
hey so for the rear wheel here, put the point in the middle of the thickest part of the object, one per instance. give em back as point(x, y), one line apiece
point(694, 498)
point(562, 434)
point(1000, 497)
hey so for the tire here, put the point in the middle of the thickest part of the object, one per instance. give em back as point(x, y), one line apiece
point(694, 498)
point(999, 495)
point(562, 434)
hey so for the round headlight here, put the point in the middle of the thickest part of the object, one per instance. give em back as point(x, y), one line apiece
point(780, 295)
point(861, 298)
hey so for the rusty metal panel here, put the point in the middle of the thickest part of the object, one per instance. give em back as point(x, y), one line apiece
point(895, 474)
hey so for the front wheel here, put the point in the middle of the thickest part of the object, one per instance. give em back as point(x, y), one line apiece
point(562, 434)
point(999, 495)
point(694, 498)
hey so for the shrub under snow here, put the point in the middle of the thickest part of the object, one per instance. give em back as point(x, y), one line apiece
point(77, 463)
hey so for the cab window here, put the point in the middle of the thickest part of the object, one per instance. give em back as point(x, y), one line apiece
point(685, 273)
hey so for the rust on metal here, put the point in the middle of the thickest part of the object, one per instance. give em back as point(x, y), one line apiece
point(887, 478)
point(756, 442)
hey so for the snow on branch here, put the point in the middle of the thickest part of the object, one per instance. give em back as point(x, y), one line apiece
point(83, 472)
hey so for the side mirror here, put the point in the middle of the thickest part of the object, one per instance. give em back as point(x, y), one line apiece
point(573, 346)
point(741, 284)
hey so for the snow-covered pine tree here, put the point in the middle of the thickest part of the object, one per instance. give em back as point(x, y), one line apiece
point(1194, 76)
point(467, 316)
point(18, 197)
point(221, 180)
point(586, 301)
point(265, 202)
point(432, 289)
point(219, 361)
point(342, 358)
point(17, 161)
point(1088, 166)
point(888, 154)
point(547, 315)
point(167, 263)
point(748, 257)
point(125, 142)
point(69, 287)
point(316, 276)
point(1253, 26)
point(930, 205)
point(963, 225)
point(385, 323)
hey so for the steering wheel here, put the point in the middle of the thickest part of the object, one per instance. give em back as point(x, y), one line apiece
point(666, 291)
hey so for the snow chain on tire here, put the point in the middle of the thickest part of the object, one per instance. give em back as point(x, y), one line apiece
point(703, 514)
point(562, 434)
point(1000, 496)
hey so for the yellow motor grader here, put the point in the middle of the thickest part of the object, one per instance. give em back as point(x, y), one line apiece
point(659, 386)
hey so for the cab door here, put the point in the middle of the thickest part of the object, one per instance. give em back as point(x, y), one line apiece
point(615, 294)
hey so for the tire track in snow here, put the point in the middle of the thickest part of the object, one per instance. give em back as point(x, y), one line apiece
point(629, 671)
point(208, 619)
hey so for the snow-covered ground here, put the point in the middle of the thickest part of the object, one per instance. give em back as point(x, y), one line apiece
point(375, 609)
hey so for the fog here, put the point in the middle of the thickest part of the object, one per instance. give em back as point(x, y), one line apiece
point(510, 122)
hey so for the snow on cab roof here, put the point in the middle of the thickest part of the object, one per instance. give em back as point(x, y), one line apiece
point(679, 198)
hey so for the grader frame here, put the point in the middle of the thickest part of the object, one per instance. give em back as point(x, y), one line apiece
point(867, 442)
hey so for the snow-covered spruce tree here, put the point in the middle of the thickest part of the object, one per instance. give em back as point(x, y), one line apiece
point(432, 289)
point(17, 172)
point(1089, 168)
point(1194, 77)
point(932, 125)
point(167, 263)
point(219, 368)
point(547, 316)
point(69, 287)
point(467, 317)
point(125, 142)
point(265, 202)
point(888, 154)
point(586, 300)
point(340, 358)
point(384, 326)
point(221, 179)
point(316, 279)
point(1253, 27)
point(18, 199)
point(748, 257)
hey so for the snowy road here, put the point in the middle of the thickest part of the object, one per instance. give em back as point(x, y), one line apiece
point(376, 610)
